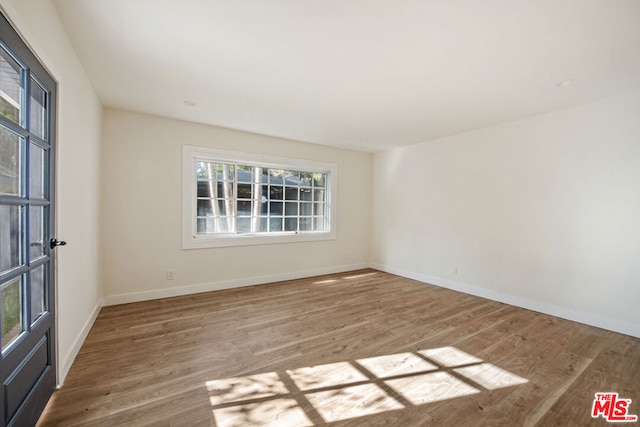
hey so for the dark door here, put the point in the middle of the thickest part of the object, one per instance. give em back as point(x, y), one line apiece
point(27, 119)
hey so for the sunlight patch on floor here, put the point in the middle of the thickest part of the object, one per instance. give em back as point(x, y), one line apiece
point(429, 388)
point(321, 282)
point(449, 356)
point(320, 376)
point(352, 402)
point(396, 364)
point(360, 276)
point(490, 376)
point(243, 388)
point(352, 389)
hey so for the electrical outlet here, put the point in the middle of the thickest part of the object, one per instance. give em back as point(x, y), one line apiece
point(169, 274)
point(455, 270)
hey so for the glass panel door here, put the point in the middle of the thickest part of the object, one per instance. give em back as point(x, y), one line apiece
point(27, 319)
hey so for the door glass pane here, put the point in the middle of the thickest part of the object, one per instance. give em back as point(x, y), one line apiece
point(10, 233)
point(10, 88)
point(12, 325)
point(10, 162)
point(38, 293)
point(37, 171)
point(36, 232)
point(37, 112)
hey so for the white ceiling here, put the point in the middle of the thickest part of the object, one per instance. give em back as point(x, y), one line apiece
point(360, 74)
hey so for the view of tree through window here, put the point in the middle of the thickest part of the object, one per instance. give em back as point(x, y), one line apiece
point(235, 199)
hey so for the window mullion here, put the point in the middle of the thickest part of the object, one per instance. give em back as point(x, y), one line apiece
point(234, 204)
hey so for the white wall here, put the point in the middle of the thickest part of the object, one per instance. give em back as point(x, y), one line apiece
point(78, 174)
point(543, 213)
point(142, 211)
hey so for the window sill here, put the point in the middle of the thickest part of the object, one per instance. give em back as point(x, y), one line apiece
point(202, 242)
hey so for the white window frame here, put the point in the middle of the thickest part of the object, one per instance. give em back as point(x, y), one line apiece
point(192, 240)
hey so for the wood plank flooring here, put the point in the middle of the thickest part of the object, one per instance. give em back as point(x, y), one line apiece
point(360, 349)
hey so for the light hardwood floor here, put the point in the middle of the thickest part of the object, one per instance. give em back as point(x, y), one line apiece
point(361, 348)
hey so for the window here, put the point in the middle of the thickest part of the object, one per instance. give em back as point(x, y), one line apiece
point(245, 199)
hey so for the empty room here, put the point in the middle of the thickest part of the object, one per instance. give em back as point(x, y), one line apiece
point(303, 213)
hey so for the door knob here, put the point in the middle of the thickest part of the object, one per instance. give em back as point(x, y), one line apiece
point(55, 242)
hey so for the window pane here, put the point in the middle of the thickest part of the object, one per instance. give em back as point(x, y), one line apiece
point(225, 172)
point(291, 208)
point(37, 114)
point(276, 208)
point(276, 193)
point(306, 178)
point(202, 171)
point(37, 171)
point(206, 189)
point(292, 177)
point(275, 176)
point(319, 224)
point(244, 191)
point(306, 208)
point(225, 224)
point(205, 207)
point(36, 232)
point(305, 194)
point(291, 193)
point(306, 224)
point(291, 224)
point(244, 225)
point(10, 162)
point(225, 189)
point(318, 195)
point(244, 208)
point(205, 225)
point(275, 224)
point(12, 325)
point(245, 174)
point(10, 237)
point(11, 89)
point(260, 175)
point(319, 179)
point(222, 207)
point(38, 293)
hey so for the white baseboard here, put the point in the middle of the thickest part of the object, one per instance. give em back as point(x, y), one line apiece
point(226, 284)
point(591, 319)
point(65, 363)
